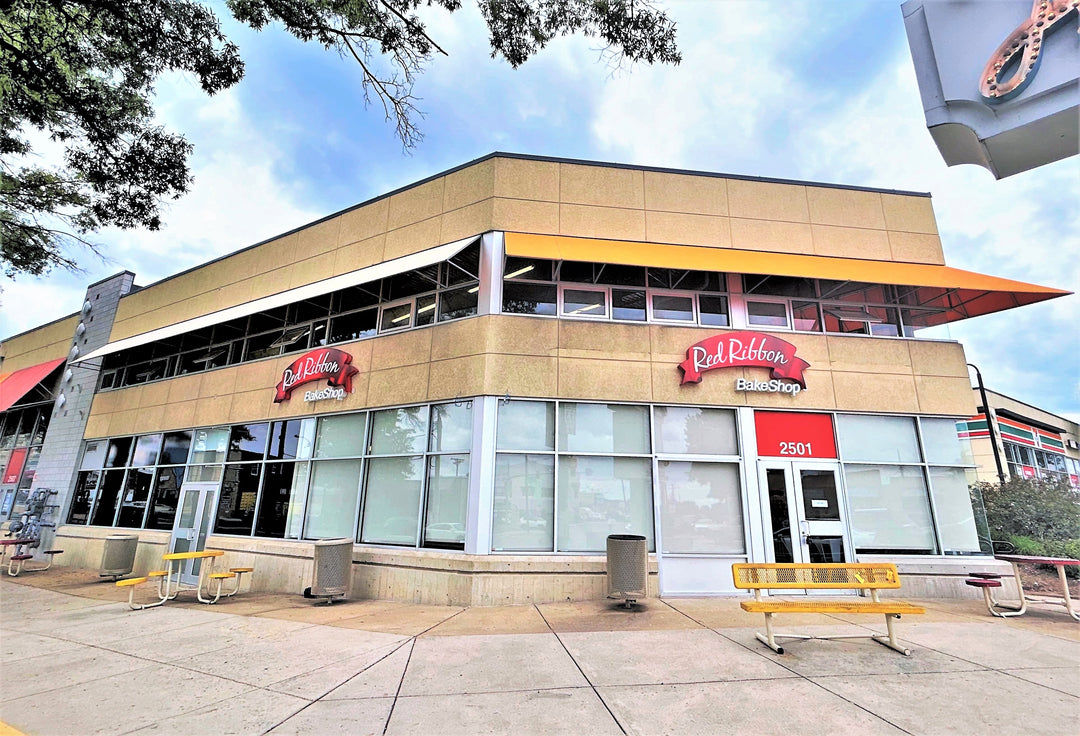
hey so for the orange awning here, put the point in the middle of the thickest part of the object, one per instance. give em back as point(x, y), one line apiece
point(951, 292)
point(14, 385)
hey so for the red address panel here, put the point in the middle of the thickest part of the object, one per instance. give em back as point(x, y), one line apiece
point(794, 435)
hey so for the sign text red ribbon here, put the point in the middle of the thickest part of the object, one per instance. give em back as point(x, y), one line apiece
point(743, 349)
point(329, 363)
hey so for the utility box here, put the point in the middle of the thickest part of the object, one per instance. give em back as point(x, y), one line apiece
point(627, 567)
point(332, 577)
point(118, 558)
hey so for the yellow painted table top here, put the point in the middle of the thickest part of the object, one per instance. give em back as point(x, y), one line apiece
point(194, 555)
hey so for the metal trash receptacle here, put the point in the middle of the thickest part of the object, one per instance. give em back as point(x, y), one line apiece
point(118, 557)
point(627, 567)
point(333, 569)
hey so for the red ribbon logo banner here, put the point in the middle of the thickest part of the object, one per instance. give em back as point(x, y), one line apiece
point(743, 349)
point(329, 363)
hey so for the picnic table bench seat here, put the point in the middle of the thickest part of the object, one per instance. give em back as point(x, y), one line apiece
point(808, 577)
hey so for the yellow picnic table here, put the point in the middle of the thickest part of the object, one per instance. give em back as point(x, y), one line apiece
point(165, 591)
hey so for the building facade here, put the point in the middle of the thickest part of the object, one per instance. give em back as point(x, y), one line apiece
point(1031, 442)
point(480, 376)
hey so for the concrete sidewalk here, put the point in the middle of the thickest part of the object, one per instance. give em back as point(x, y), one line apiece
point(76, 660)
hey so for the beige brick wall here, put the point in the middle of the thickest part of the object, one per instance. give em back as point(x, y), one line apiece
point(552, 198)
point(38, 346)
point(547, 358)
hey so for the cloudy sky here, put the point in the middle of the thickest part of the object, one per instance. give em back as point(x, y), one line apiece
point(822, 91)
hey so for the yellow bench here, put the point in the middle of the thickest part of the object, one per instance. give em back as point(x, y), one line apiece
point(796, 576)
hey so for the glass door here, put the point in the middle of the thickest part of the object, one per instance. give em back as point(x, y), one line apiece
point(192, 525)
point(805, 512)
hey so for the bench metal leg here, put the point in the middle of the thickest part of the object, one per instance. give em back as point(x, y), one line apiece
point(769, 639)
point(890, 639)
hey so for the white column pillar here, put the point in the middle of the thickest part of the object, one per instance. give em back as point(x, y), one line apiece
point(481, 476)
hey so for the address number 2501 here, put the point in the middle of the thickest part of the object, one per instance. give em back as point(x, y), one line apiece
point(796, 449)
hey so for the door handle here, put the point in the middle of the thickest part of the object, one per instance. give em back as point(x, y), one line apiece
point(805, 528)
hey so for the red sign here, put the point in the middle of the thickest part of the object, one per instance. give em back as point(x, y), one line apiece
point(325, 363)
point(743, 349)
point(15, 466)
point(1028, 471)
point(794, 434)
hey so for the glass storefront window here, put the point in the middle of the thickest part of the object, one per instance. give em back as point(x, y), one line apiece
point(399, 431)
point(952, 503)
point(695, 431)
point(136, 493)
point(524, 504)
point(451, 427)
point(82, 499)
point(118, 453)
point(166, 494)
point(604, 428)
point(175, 449)
point(209, 445)
point(447, 499)
point(767, 314)
point(108, 496)
point(526, 425)
point(941, 443)
point(236, 500)
point(247, 442)
point(882, 439)
point(702, 507)
point(525, 298)
point(277, 503)
point(94, 455)
point(342, 435)
point(581, 303)
point(146, 452)
point(392, 500)
point(332, 500)
point(599, 496)
point(890, 509)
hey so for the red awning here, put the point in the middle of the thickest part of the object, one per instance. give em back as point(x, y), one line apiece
point(14, 385)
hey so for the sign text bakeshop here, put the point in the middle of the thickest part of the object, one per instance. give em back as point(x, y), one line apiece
point(330, 364)
point(748, 350)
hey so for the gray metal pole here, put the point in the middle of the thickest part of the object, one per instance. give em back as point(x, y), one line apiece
point(989, 423)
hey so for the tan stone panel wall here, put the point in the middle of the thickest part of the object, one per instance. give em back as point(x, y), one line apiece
point(845, 207)
point(849, 242)
point(613, 223)
point(916, 248)
point(757, 200)
point(676, 227)
point(697, 195)
point(38, 346)
point(771, 235)
point(522, 179)
point(909, 214)
point(525, 216)
point(602, 186)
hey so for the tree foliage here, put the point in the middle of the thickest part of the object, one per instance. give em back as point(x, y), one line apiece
point(1043, 510)
point(80, 74)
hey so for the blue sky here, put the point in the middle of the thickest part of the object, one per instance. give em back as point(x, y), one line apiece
point(822, 91)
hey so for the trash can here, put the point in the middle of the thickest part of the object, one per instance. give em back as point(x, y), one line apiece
point(333, 569)
point(627, 567)
point(118, 558)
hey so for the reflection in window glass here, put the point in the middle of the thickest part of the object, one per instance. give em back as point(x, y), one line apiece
point(335, 490)
point(526, 425)
point(397, 317)
point(354, 326)
point(341, 436)
point(618, 428)
point(108, 496)
point(247, 442)
point(524, 509)
point(451, 427)
point(392, 500)
point(534, 269)
point(807, 316)
point(447, 499)
point(82, 499)
point(599, 496)
point(702, 507)
point(205, 473)
point(146, 451)
point(166, 494)
point(527, 298)
point(277, 502)
point(118, 453)
point(766, 314)
point(425, 310)
point(941, 443)
point(136, 493)
point(458, 303)
point(713, 310)
point(877, 438)
point(690, 430)
point(176, 447)
point(952, 505)
point(677, 308)
point(236, 502)
point(93, 455)
point(399, 431)
point(628, 305)
point(890, 509)
point(579, 303)
point(209, 445)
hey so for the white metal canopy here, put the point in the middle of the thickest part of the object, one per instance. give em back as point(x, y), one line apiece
point(410, 262)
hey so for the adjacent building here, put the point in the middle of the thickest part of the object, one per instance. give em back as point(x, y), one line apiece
point(480, 376)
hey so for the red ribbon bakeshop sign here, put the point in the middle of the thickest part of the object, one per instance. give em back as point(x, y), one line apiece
point(744, 350)
point(326, 363)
